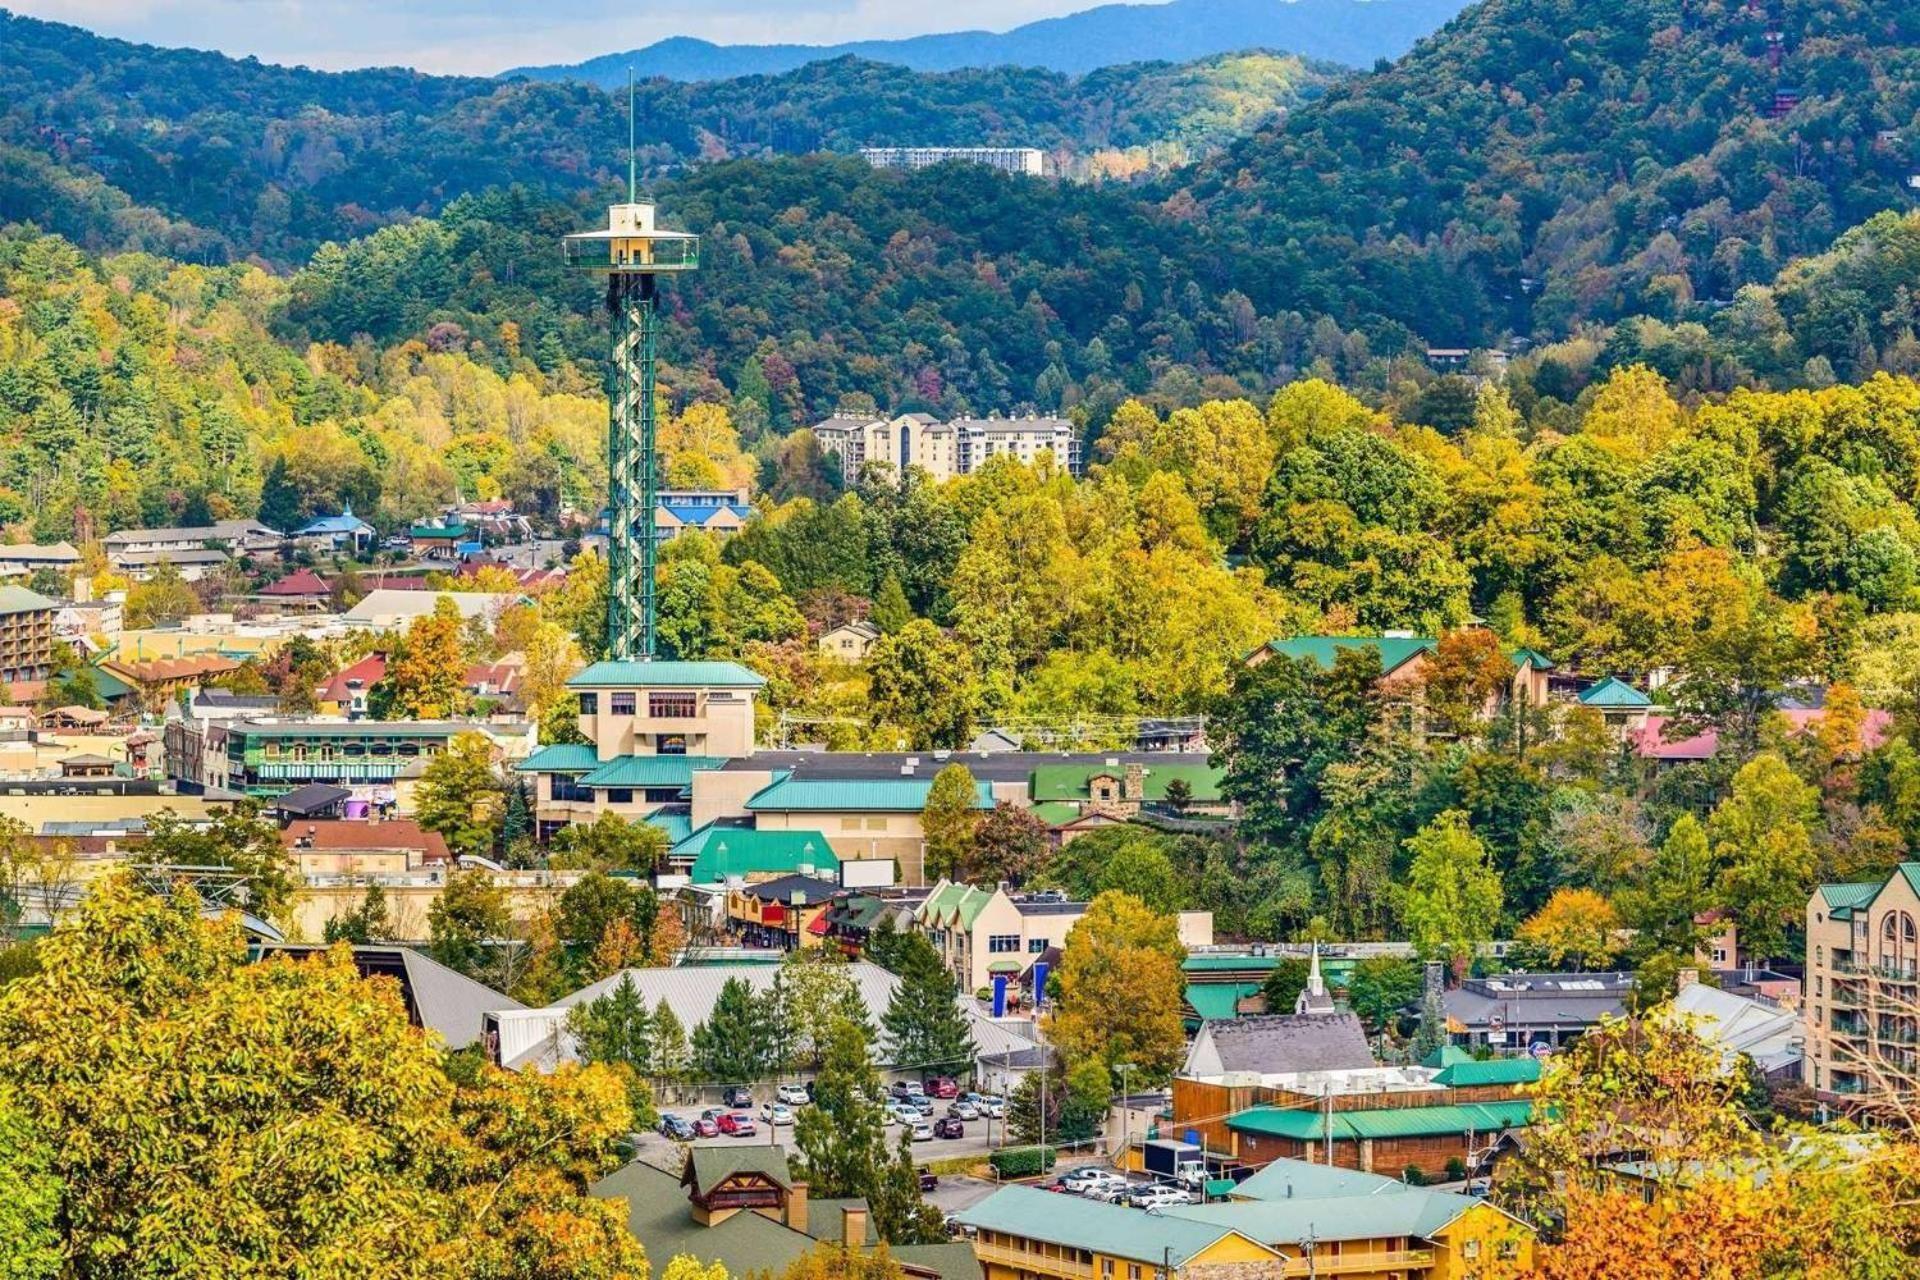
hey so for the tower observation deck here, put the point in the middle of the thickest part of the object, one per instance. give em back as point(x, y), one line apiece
point(631, 253)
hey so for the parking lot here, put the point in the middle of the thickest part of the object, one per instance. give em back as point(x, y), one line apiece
point(975, 1143)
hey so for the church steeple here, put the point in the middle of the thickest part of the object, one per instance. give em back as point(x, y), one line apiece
point(1315, 997)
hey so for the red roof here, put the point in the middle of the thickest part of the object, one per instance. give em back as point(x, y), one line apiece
point(1650, 745)
point(818, 924)
point(357, 677)
point(301, 582)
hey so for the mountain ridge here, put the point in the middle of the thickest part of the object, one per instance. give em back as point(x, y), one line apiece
point(1354, 33)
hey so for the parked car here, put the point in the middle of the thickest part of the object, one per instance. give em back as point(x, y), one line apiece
point(922, 1104)
point(1088, 1176)
point(708, 1125)
point(961, 1109)
point(736, 1124)
point(776, 1113)
point(901, 1113)
point(677, 1128)
point(1158, 1196)
point(929, 1180)
point(921, 1131)
point(1115, 1192)
point(737, 1096)
point(794, 1095)
point(943, 1087)
point(949, 1127)
point(992, 1107)
point(904, 1089)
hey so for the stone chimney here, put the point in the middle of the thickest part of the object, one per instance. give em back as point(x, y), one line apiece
point(797, 1207)
point(853, 1225)
point(1685, 978)
point(1134, 785)
point(1436, 978)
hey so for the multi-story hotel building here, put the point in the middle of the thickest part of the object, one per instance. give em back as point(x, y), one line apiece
point(1862, 996)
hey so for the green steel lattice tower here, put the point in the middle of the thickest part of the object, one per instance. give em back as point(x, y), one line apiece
point(631, 253)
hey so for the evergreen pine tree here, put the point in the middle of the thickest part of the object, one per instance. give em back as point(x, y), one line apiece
point(842, 1138)
point(901, 1215)
point(732, 1045)
point(615, 1028)
point(891, 611)
point(279, 498)
point(926, 1028)
point(670, 1053)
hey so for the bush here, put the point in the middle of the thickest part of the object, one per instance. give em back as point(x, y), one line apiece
point(1456, 1169)
point(1022, 1162)
point(1413, 1176)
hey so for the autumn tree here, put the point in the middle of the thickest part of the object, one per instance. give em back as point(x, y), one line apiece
point(1465, 674)
point(922, 686)
point(1121, 989)
point(1453, 895)
point(238, 838)
point(1575, 929)
point(948, 822)
point(360, 1154)
point(426, 675)
point(459, 794)
point(1676, 886)
point(470, 924)
point(1010, 843)
point(1762, 841)
point(813, 990)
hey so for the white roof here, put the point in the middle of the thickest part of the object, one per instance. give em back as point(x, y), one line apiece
point(1772, 1037)
point(389, 606)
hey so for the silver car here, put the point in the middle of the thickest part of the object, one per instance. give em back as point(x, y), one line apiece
point(922, 1131)
point(776, 1113)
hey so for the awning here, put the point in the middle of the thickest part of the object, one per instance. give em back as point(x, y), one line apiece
point(1004, 966)
point(772, 913)
point(818, 925)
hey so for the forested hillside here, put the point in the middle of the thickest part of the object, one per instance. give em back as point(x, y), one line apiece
point(272, 161)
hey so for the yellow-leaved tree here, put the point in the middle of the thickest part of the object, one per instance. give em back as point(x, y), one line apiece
point(205, 1116)
point(1120, 990)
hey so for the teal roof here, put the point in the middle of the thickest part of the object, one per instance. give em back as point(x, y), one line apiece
point(1215, 963)
point(561, 757)
point(437, 531)
point(1465, 1075)
point(1396, 1122)
point(668, 675)
point(1285, 1179)
point(1071, 781)
point(1412, 1212)
point(1218, 1001)
point(955, 903)
point(1445, 1056)
point(719, 852)
point(1613, 692)
point(650, 771)
point(896, 795)
point(1842, 899)
point(21, 600)
point(1393, 651)
point(678, 826)
point(1087, 1224)
point(1530, 658)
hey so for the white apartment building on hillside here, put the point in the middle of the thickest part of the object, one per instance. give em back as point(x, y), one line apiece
point(945, 449)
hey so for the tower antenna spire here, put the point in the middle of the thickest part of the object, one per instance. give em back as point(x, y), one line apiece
point(633, 187)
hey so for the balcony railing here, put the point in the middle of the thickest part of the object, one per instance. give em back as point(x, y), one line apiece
point(1027, 1260)
point(1332, 1265)
point(1885, 972)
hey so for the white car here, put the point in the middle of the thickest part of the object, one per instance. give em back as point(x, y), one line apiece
point(1160, 1197)
point(1114, 1190)
point(794, 1095)
point(922, 1131)
point(776, 1113)
point(901, 1113)
point(991, 1107)
point(1086, 1178)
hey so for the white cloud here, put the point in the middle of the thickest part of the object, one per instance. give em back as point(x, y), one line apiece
point(481, 37)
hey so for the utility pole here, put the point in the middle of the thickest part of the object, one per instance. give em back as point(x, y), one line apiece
point(1126, 1114)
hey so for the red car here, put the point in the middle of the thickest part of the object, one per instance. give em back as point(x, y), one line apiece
point(948, 1127)
point(737, 1124)
point(708, 1125)
point(942, 1087)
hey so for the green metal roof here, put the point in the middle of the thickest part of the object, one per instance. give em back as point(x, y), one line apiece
point(713, 1165)
point(1003, 966)
point(1445, 1056)
point(21, 600)
point(1212, 963)
point(1465, 1075)
point(1218, 1001)
point(1842, 899)
point(1070, 781)
point(659, 1216)
point(1531, 658)
point(1393, 1122)
point(561, 757)
point(455, 531)
point(1393, 651)
point(1087, 1224)
point(1413, 1213)
point(1285, 1179)
point(719, 852)
point(1056, 813)
point(678, 826)
point(893, 795)
point(650, 771)
point(667, 675)
point(1613, 692)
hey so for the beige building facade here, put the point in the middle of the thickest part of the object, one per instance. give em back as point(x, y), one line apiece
point(1862, 999)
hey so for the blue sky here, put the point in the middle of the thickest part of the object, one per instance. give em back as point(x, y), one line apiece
point(485, 36)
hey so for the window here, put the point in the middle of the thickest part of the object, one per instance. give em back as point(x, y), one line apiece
point(670, 744)
point(876, 824)
point(672, 705)
point(589, 704)
point(1133, 1271)
point(619, 795)
point(1106, 1267)
point(1003, 943)
point(849, 824)
point(661, 795)
point(1470, 1249)
point(1036, 945)
point(620, 704)
point(566, 786)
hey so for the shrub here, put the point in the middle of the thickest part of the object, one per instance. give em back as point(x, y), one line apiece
point(1413, 1176)
point(1456, 1168)
point(1022, 1162)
